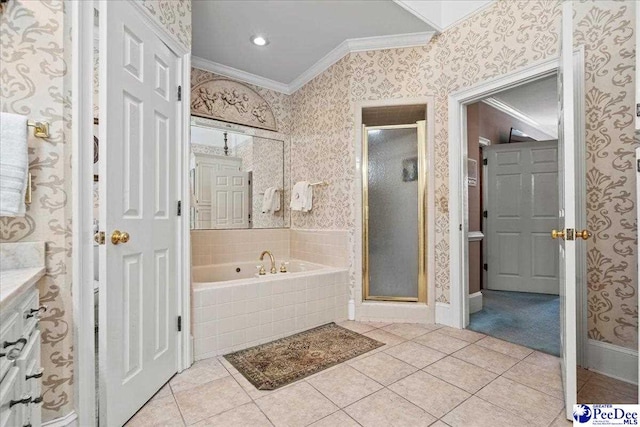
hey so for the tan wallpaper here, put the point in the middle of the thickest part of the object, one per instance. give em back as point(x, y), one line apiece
point(606, 30)
point(35, 82)
point(502, 38)
point(174, 15)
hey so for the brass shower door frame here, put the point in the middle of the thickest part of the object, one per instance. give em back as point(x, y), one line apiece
point(420, 126)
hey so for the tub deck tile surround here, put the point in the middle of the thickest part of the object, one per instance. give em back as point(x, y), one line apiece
point(464, 392)
point(234, 315)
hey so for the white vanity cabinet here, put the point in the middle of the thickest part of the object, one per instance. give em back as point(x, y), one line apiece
point(20, 367)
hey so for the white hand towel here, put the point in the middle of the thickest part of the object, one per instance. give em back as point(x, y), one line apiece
point(267, 200)
point(14, 164)
point(299, 195)
point(275, 206)
point(308, 199)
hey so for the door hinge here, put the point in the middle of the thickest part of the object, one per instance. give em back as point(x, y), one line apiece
point(486, 267)
point(179, 93)
point(485, 161)
point(179, 207)
point(638, 165)
point(485, 214)
point(179, 323)
point(637, 110)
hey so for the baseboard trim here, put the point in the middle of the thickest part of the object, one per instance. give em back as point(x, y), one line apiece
point(613, 361)
point(69, 420)
point(475, 302)
point(443, 314)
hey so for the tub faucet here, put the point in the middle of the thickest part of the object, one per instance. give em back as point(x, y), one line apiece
point(273, 261)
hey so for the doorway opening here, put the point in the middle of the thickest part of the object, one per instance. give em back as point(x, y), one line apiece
point(512, 203)
point(393, 203)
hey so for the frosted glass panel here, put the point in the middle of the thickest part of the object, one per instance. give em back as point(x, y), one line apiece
point(393, 212)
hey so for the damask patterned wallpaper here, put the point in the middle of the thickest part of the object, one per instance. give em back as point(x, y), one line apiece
point(174, 15)
point(34, 61)
point(503, 37)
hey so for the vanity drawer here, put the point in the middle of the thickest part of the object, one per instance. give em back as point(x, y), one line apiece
point(10, 390)
point(30, 376)
point(9, 332)
point(28, 310)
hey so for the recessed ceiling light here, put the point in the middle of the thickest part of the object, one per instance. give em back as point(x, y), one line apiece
point(259, 40)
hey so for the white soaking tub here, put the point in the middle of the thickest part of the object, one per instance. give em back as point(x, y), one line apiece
point(246, 270)
point(235, 309)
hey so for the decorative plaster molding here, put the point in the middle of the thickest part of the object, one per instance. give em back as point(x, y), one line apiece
point(519, 115)
point(231, 101)
point(348, 46)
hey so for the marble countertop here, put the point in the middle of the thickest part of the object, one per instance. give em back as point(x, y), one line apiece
point(21, 266)
point(14, 283)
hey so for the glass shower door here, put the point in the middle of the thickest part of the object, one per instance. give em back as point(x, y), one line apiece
point(393, 207)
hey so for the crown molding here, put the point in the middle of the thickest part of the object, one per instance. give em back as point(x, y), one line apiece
point(433, 23)
point(436, 7)
point(359, 45)
point(243, 76)
point(348, 46)
point(519, 115)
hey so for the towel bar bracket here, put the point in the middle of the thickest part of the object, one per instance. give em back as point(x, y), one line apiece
point(40, 129)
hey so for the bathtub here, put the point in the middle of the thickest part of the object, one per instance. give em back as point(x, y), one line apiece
point(234, 308)
point(217, 273)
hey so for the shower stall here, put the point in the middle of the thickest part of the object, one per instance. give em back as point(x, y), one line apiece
point(394, 232)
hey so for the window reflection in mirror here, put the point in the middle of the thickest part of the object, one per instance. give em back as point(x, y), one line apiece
point(237, 180)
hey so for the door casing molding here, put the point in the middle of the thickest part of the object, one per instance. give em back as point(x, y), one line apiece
point(458, 191)
point(82, 208)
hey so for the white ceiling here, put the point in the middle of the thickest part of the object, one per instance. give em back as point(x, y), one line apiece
point(300, 32)
point(537, 100)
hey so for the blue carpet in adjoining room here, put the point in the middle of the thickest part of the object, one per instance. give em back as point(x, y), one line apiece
point(531, 320)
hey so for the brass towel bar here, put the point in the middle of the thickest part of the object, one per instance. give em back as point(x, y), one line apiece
point(40, 130)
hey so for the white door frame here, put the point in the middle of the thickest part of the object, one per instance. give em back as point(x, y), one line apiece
point(82, 209)
point(458, 191)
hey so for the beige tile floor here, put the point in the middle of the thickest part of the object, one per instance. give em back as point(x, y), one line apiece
point(425, 375)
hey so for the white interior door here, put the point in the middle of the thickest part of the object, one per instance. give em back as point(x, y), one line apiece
point(567, 210)
point(230, 199)
point(522, 206)
point(138, 195)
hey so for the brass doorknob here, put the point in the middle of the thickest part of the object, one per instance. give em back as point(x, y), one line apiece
point(585, 234)
point(119, 237)
point(555, 234)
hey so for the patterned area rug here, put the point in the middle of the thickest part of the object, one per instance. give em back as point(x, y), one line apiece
point(280, 362)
